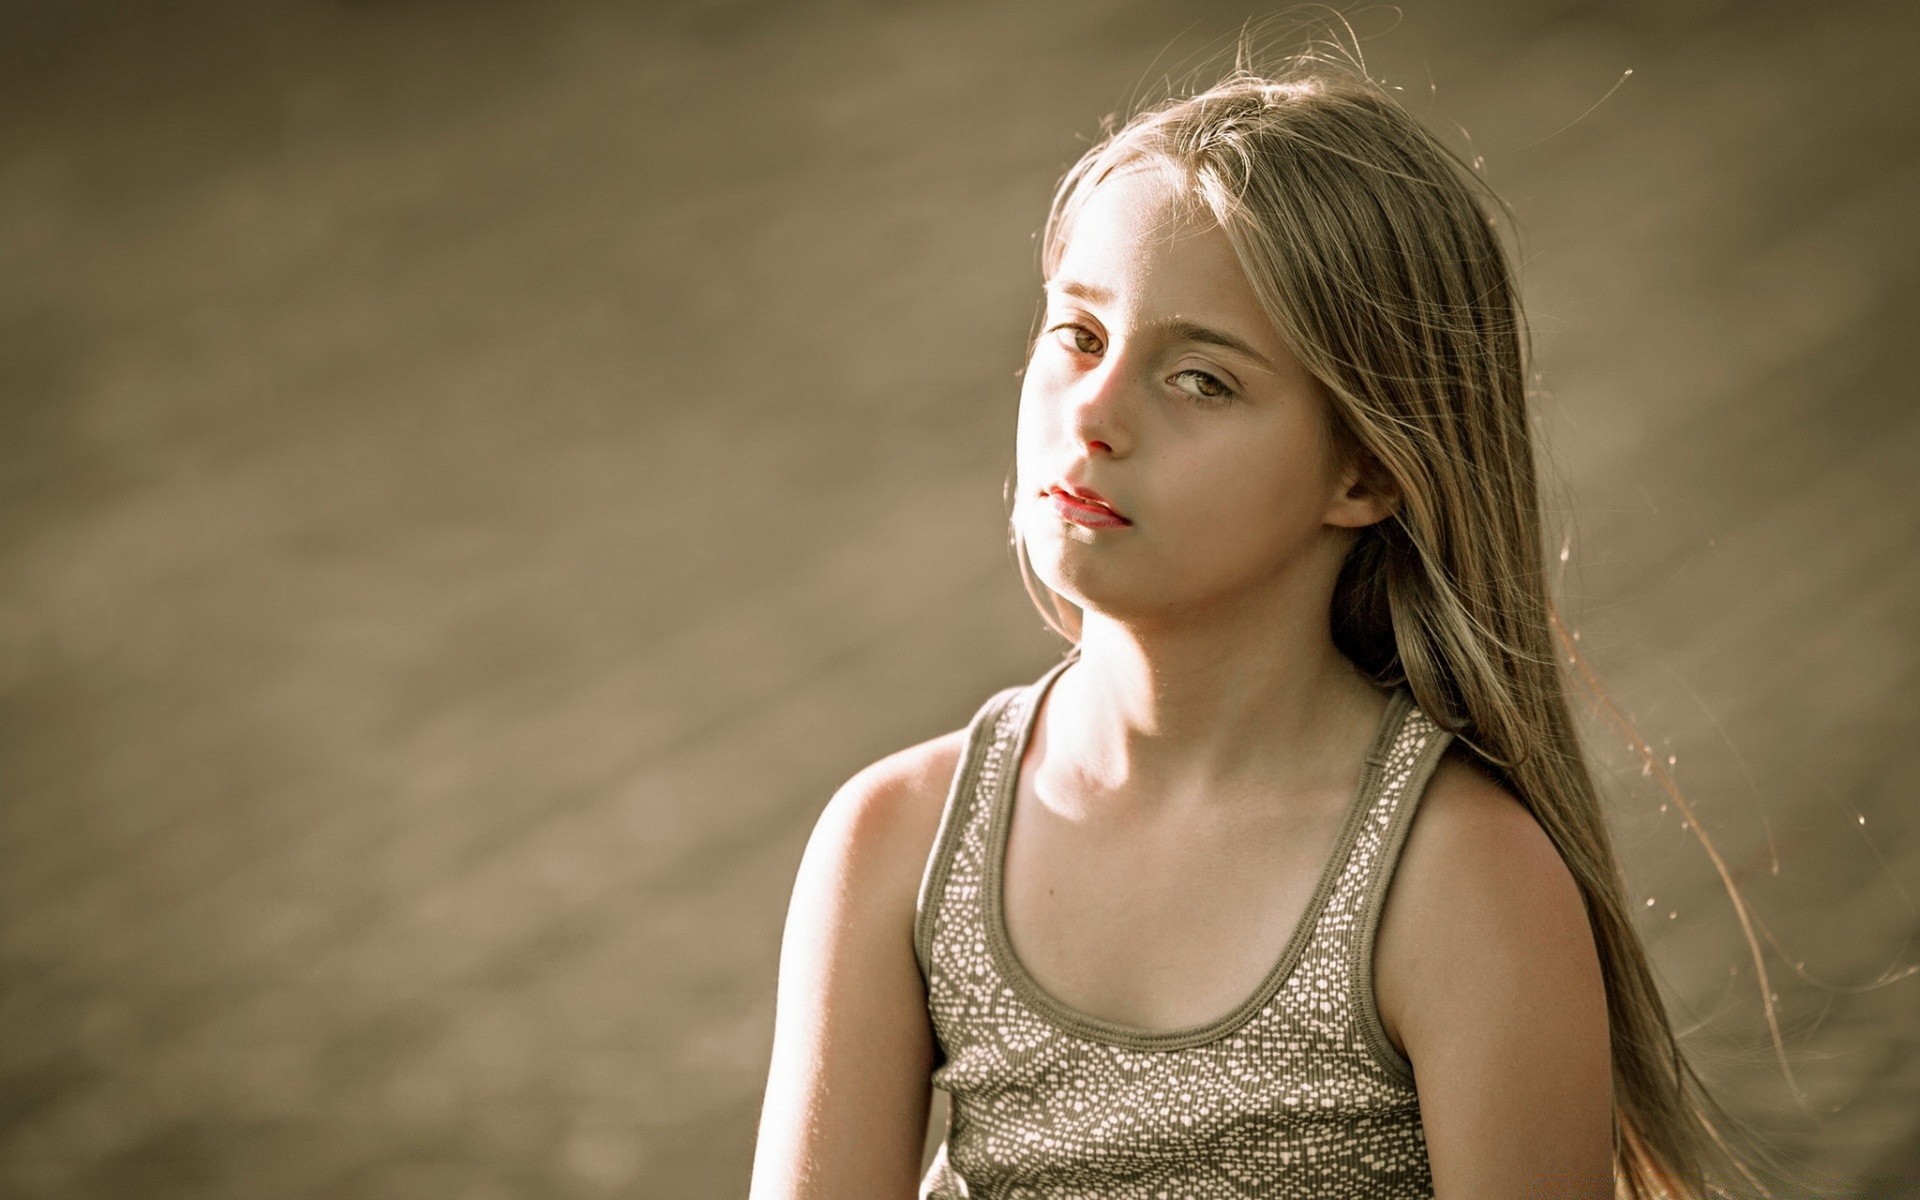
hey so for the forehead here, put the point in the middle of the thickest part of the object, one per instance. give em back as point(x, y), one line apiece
point(1143, 235)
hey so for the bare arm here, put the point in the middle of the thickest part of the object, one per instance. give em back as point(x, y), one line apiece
point(1488, 979)
point(847, 1095)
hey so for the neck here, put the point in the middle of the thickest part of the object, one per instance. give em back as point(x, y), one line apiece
point(1237, 704)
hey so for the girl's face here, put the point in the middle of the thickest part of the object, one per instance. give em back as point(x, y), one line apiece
point(1173, 455)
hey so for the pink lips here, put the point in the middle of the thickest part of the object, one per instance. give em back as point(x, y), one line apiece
point(1084, 506)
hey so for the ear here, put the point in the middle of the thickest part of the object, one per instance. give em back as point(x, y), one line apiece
point(1366, 494)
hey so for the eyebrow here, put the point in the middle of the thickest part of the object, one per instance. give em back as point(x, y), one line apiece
point(1178, 328)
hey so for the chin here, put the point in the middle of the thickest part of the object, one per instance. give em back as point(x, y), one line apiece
point(1078, 573)
point(1058, 559)
point(1130, 592)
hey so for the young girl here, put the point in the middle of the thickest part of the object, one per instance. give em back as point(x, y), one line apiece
point(1291, 880)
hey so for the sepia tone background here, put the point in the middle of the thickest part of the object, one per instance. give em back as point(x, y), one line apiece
point(476, 477)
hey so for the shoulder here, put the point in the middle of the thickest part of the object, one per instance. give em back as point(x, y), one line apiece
point(1474, 839)
point(895, 803)
point(847, 952)
point(873, 837)
point(1487, 978)
point(846, 1101)
point(1481, 902)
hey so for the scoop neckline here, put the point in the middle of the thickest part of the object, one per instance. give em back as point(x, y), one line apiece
point(1099, 1029)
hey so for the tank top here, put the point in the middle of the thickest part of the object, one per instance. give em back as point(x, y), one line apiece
point(1295, 1093)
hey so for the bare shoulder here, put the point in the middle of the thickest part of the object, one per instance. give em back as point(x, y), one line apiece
point(1488, 981)
point(847, 1088)
point(870, 844)
point(918, 774)
point(1471, 833)
point(883, 820)
point(1480, 896)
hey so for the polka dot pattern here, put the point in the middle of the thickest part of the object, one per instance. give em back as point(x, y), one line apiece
point(1297, 1093)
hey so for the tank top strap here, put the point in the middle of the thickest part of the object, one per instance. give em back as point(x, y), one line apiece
point(1403, 761)
point(989, 740)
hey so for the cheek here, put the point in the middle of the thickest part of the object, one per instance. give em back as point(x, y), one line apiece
point(1258, 493)
point(1029, 442)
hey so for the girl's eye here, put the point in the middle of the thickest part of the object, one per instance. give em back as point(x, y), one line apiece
point(1078, 337)
point(1202, 386)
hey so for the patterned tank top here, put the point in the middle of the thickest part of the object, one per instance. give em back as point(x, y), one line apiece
point(1295, 1093)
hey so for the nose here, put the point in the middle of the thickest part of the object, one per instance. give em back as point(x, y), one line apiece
point(1098, 409)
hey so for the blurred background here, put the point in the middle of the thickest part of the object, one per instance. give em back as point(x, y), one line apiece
point(476, 477)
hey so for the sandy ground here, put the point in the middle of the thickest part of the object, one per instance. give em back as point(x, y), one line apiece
point(477, 477)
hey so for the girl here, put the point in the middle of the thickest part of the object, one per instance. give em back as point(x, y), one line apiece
point(1291, 880)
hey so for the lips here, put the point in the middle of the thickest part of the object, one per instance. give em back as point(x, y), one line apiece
point(1084, 506)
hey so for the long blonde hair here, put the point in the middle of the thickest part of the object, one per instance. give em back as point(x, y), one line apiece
point(1369, 247)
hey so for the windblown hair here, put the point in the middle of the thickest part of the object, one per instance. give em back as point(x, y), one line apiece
point(1370, 248)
